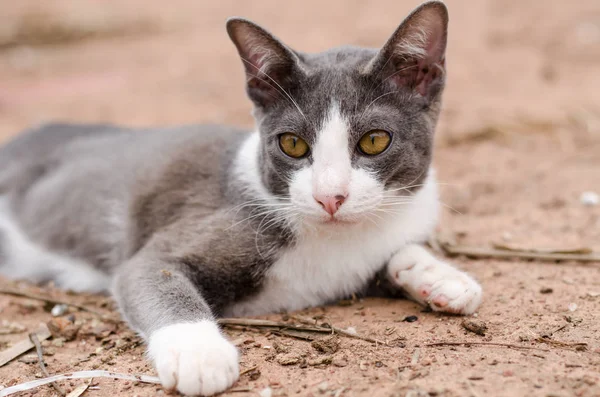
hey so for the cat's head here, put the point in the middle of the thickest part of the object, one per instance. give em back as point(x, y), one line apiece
point(349, 130)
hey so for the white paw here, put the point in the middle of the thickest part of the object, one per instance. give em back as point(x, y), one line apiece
point(432, 282)
point(194, 358)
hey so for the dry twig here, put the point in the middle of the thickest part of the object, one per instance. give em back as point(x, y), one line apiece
point(477, 252)
point(282, 327)
point(483, 344)
point(557, 343)
point(22, 294)
point(38, 348)
point(340, 331)
point(21, 347)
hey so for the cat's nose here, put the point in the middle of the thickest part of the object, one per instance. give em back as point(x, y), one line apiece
point(330, 203)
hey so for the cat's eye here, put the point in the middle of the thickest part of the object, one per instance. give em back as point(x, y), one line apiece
point(374, 142)
point(293, 145)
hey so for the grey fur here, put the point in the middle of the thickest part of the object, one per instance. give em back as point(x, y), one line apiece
point(155, 208)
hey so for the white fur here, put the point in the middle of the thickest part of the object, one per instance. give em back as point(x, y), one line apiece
point(21, 258)
point(194, 358)
point(331, 170)
point(333, 259)
point(330, 260)
point(431, 281)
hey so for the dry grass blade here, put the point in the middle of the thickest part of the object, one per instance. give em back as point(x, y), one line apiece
point(38, 348)
point(484, 344)
point(340, 331)
point(257, 323)
point(557, 343)
point(79, 390)
point(21, 347)
point(46, 299)
point(287, 329)
point(77, 375)
point(573, 251)
point(476, 252)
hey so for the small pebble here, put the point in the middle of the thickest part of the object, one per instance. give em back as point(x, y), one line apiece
point(59, 310)
point(572, 306)
point(589, 199)
point(351, 330)
point(410, 319)
point(546, 290)
point(476, 326)
point(266, 392)
point(323, 387)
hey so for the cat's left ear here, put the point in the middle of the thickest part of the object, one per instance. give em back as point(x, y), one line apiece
point(270, 65)
point(414, 56)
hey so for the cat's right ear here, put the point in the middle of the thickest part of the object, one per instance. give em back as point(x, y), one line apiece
point(269, 64)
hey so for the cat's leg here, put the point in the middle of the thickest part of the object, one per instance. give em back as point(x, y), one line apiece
point(431, 281)
point(159, 300)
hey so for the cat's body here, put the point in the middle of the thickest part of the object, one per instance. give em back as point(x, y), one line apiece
point(332, 192)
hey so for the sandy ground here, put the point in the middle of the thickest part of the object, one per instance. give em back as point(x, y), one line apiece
point(518, 143)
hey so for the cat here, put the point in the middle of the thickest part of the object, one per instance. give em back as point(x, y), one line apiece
point(331, 195)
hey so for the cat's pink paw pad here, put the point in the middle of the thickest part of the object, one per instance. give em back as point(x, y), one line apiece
point(425, 290)
point(440, 301)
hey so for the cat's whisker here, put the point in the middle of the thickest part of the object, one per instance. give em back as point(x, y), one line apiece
point(264, 213)
point(451, 208)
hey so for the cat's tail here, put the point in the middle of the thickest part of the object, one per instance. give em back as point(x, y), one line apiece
point(22, 259)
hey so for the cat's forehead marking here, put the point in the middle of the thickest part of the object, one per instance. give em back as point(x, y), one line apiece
point(332, 165)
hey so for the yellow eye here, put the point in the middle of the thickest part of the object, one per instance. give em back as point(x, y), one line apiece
point(374, 142)
point(293, 145)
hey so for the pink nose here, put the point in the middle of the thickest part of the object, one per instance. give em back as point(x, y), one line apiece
point(330, 203)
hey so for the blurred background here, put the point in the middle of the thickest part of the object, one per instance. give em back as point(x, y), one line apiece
point(519, 137)
point(517, 154)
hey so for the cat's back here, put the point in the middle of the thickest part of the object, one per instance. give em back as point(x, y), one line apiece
point(72, 187)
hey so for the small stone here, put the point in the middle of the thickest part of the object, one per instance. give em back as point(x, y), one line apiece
point(58, 342)
point(48, 351)
point(323, 387)
point(351, 330)
point(280, 347)
point(340, 361)
point(507, 373)
point(7, 327)
point(59, 310)
point(266, 392)
point(288, 359)
point(63, 328)
point(324, 360)
point(572, 306)
point(476, 326)
point(589, 199)
point(254, 374)
point(328, 345)
point(29, 359)
point(410, 319)
point(546, 290)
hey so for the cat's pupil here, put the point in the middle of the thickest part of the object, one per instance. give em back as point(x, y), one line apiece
point(373, 139)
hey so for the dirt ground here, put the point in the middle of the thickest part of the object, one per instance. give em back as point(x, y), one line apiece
point(517, 145)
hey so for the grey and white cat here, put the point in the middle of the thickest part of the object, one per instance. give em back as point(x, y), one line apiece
point(330, 195)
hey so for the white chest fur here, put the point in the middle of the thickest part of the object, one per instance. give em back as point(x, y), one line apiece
point(324, 267)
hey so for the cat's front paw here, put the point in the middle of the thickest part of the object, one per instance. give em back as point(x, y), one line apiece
point(433, 282)
point(194, 358)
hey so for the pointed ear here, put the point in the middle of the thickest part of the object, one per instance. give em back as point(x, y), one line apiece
point(269, 64)
point(414, 57)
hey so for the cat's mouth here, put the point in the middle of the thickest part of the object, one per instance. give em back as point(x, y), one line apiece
point(336, 221)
